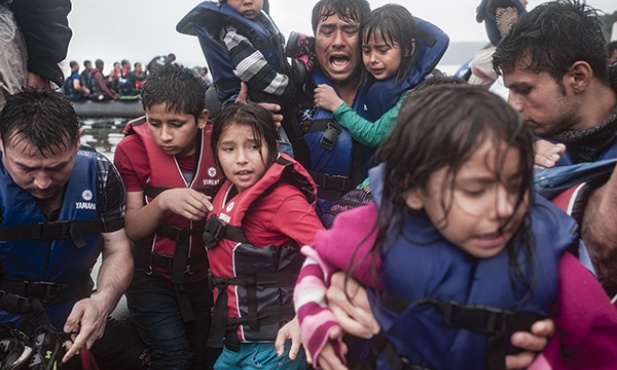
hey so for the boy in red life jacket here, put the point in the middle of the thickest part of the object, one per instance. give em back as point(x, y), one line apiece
point(170, 176)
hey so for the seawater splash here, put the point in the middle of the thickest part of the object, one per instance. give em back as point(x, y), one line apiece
point(103, 133)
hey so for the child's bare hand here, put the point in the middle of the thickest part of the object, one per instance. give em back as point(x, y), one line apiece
point(355, 316)
point(291, 330)
point(532, 342)
point(547, 154)
point(328, 359)
point(186, 202)
point(326, 98)
point(271, 107)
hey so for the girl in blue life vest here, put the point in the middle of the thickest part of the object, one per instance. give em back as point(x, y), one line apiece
point(261, 216)
point(398, 51)
point(459, 253)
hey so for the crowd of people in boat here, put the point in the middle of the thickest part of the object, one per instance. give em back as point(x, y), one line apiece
point(123, 81)
point(347, 190)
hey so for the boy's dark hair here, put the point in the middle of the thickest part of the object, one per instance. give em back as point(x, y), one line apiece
point(73, 63)
point(177, 87)
point(254, 115)
point(99, 63)
point(554, 36)
point(87, 63)
point(44, 118)
point(347, 10)
point(396, 25)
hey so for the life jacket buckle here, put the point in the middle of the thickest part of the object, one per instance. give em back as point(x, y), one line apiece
point(52, 230)
point(213, 231)
point(329, 136)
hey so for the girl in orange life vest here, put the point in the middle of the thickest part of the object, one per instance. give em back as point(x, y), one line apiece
point(261, 215)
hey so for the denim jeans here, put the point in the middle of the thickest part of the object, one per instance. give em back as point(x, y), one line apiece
point(153, 307)
point(284, 143)
point(260, 356)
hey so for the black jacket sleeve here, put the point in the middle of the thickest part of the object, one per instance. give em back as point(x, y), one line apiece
point(45, 27)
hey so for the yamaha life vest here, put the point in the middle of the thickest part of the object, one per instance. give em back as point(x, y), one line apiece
point(254, 284)
point(337, 162)
point(431, 43)
point(486, 13)
point(49, 261)
point(462, 310)
point(178, 240)
point(208, 19)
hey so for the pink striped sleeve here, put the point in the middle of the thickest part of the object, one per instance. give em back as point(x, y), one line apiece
point(317, 322)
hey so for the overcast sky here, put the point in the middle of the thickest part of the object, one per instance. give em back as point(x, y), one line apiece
point(140, 29)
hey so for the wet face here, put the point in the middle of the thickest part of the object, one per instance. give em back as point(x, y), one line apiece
point(42, 175)
point(483, 215)
point(337, 45)
point(174, 132)
point(380, 59)
point(548, 107)
point(241, 157)
point(248, 8)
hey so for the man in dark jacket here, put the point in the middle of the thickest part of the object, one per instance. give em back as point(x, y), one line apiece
point(45, 28)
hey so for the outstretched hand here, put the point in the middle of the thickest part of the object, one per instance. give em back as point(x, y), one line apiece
point(291, 330)
point(273, 108)
point(86, 324)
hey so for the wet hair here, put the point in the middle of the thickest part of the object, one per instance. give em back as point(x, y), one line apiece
point(347, 10)
point(254, 115)
point(439, 80)
point(610, 48)
point(44, 118)
point(177, 87)
point(460, 118)
point(554, 36)
point(396, 25)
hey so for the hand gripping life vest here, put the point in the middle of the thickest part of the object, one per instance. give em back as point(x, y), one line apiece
point(254, 283)
point(43, 261)
point(486, 13)
point(431, 44)
point(338, 163)
point(207, 20)
point(176, 250)
point(443, 309)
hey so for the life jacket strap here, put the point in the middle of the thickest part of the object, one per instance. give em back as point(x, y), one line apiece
point(383, 348)
point(496, 323)
point(215, 230)
point(332, 187)
point(224, 329)
point(28, 299)
point(57, 230)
